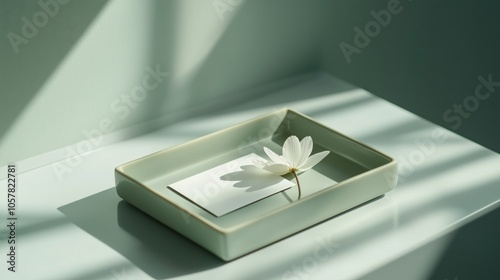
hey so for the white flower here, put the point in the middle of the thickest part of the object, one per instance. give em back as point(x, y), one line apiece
point(296, 158)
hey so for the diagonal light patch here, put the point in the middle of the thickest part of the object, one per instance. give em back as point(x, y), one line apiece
point(201, 24)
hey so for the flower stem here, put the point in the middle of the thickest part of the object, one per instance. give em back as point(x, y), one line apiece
point(298, 184)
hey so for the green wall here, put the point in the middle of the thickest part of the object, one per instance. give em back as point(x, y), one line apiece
point(71, 71)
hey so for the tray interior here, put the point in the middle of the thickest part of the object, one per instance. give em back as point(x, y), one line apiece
point(347, 159)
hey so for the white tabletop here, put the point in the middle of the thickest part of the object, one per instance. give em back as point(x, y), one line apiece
point(76, 227)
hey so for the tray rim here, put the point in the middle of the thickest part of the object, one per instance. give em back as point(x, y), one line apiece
point(228, 230)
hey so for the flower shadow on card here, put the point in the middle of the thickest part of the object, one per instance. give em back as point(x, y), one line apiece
point(252, 178)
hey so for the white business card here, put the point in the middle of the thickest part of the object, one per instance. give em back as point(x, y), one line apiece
point(231, 185)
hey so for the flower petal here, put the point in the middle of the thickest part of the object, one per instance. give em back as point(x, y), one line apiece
point(277, 168)
point(292, 150)
point(273, 156)
point(306, 146)
point(313, 160)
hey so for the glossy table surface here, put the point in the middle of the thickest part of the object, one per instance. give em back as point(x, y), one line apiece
point(74, 226)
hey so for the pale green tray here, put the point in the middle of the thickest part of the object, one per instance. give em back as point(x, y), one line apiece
point(350, 175)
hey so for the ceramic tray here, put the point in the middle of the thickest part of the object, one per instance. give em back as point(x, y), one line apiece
point(350, 175)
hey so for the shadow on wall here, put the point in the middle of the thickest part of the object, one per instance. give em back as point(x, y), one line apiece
point(36, 41)
point(424, 56)
point(214, 60)
point(79, 69)
point(264, 43)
